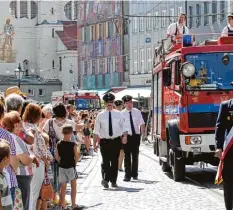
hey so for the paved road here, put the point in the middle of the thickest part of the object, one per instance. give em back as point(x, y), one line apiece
point(153, 190)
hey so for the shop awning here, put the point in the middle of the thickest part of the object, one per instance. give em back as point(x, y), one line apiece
point(134, 92)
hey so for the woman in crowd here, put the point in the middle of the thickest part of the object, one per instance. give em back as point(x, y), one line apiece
point(13, 123)
point(31, 118)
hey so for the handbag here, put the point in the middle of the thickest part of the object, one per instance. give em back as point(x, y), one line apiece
point(46, 189)
point(18, 200)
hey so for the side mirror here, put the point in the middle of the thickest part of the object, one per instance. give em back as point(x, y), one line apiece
point(166, 77)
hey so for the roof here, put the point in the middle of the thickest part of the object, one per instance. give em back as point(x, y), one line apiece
point(28, 80)
point(69, 34)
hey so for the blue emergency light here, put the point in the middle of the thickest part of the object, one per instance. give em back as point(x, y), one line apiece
point(187, 40)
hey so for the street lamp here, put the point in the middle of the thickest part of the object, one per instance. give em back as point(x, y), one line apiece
point(19, 74)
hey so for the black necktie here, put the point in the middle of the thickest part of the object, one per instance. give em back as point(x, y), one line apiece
point(132, 125)
point(110, 125)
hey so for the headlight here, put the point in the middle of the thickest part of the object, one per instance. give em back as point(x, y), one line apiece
point(188, 69)
point(196, 140)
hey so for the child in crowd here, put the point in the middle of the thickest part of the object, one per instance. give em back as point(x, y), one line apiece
point(5, 195)
point(87, 134)
point(67, 157)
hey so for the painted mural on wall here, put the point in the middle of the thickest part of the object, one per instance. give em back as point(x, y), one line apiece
point(7, 54)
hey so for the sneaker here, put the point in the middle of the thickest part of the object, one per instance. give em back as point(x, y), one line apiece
point(105, 184)
point(135, 178)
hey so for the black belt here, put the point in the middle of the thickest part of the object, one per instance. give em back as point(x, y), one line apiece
point(112, 139)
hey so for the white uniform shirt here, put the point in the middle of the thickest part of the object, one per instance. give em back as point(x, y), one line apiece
point(101, 127)
point(137, 118)
point(172, 29)
point(225, 30)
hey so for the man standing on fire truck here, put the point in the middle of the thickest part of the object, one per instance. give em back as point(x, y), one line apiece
point(224, 151)
point(136, 126)
point(228, 30)
point(175, 30)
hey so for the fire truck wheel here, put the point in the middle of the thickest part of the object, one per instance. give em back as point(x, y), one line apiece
point(165, 167)
point(178, 165)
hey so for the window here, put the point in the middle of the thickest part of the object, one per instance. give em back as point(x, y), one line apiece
point(85, 68)
point(34, 9)
point(110, 29)
point(214, 11)
point(149, 59)
point(148, 22)
point(100, 30)
point(206, 12)
point(68, 10)
point(60, 63)
point(92, 33)
point(30, 92)
point(115, 61)
point(93, 66)
point(142, 61)
point(125, 26)
point(52, 64)
point(222, 10)
point(134, 26)
point(86, 34)
point(23, 9)
point(53, 32)
point(180, 10)
point(75, 10)
point(156, 25)
point(126, 63)
point(135, 64)
point(191, 17)
point(100, 66)
point(172, 15)
point(41, 92)
point(104, 65)
point(198, 13)
point(13, 9)
point(141, 20)
point(164, 18)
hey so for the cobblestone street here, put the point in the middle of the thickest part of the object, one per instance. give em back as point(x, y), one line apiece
point(153, 190)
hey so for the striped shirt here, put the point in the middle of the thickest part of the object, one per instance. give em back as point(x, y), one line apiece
point(22, 170)
point(6, 198)
point(4, 134)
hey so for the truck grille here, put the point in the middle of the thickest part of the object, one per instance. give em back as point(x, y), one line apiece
point(202, 119)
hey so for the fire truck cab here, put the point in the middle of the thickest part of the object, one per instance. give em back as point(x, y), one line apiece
point(189, 83)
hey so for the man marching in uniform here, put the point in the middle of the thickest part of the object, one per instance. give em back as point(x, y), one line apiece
point(110, 127)
point(136, 126)
point(224, 151)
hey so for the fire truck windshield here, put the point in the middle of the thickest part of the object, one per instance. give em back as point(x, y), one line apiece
point(87, 104)
point(213, 71)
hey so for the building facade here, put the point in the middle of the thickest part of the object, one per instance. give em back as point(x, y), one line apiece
point(100, 44)
point(210, 18)
point(148, 22)
point(33, 36)
point(34, 87)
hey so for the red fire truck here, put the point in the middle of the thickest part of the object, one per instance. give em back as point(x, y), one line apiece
point(189, 83)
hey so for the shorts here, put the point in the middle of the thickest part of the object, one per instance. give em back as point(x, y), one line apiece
point(67, 174)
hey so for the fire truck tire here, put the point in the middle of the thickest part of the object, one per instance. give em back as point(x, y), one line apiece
point(178, 165)
point(165, 167)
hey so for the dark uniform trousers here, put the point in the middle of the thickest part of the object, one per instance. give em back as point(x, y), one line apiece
point(110, 149)
point(228, 179)
point(223, 126)
point(131, 152)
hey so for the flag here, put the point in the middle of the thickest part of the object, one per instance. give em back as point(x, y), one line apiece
point(227, 145)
